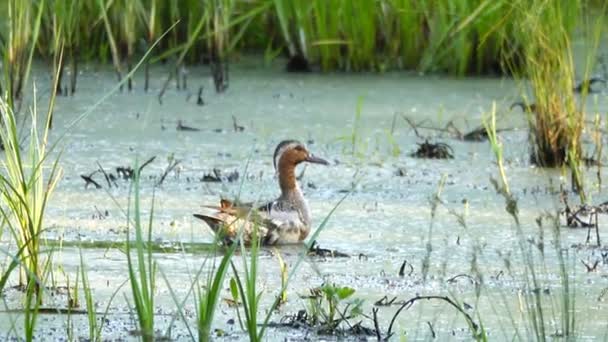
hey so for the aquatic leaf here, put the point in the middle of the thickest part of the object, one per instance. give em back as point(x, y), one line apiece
point(345, 292)
point(234, 289)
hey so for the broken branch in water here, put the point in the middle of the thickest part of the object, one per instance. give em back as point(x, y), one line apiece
point(462, 275)
point(218, 176)
point(199, 100)
point(590, 267)
point(105, 174)
point(236, 126)
point(376, 325)
point(145, 164)
point(89, 180)
point(315, 250)
point(182, 127)
point(407, 304)
point(477, 134)
point(384, 301)
point(170, 167)
point(591, 212)
point(402, 269)
point(164, 88)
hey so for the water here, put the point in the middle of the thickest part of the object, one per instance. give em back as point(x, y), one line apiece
point(384, 221)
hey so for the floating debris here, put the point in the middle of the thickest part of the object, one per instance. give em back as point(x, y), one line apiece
point(182, 127)
point(217, 176)
point(590, 161)
point(384, 301)
point(219, 70)
point(199, 100)
point(89, 180)
point(236, 126)
point(455, 278)
point(584, 216)
point(170, 167)
point(590, 267)
point(315, 250)
point(124, 172)
point(402, 269)
point(433, 151)
point(99, 215)
point(109, 180)
point(478, 134)
point(585, 86)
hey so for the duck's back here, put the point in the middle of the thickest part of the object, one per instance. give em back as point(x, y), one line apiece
point(282, 221)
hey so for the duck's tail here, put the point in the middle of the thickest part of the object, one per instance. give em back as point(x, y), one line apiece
point(213, 222)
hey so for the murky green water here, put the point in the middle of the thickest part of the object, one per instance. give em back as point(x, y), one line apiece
point(386, 219)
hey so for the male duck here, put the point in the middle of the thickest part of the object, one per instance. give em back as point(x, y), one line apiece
point(283, 221)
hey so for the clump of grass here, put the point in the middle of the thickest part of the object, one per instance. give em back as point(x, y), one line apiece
point(558, 119)
point(207, 296)
point(142, 270)
point(25, 189)
point(247, 291)
point(328, 307)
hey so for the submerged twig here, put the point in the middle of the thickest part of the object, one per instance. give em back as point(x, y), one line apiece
point(402, 269)
point(105, 175)
point(89, 180)
point(169, 168)
point(199, 100)
point(236, 126)
point(590, 267)
point(407, 304)
point(182, 127)
point(315, 250)
point(462, 275)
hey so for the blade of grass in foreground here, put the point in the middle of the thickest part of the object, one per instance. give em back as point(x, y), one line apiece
point(142, 271)
point(248, 294)
point(208, 297)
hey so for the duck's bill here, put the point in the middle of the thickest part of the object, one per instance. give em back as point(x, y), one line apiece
point(317, 160)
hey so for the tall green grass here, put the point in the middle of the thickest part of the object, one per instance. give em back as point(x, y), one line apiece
point(17, 46)
point(457, 37)
point(26, 184)
point(207, 294)
point(558, 120)
point(246, 285)
point(142, 268)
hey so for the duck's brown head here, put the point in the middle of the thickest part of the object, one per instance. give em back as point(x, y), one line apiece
point(290, 153)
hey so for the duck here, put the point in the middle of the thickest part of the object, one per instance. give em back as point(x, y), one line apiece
point(285, 220)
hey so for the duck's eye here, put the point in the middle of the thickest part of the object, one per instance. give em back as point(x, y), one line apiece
point(299, 148)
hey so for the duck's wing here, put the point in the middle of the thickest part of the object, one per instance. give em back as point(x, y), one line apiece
point(228, 219)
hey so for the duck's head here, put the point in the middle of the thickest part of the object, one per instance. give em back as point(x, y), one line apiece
point(290, 153)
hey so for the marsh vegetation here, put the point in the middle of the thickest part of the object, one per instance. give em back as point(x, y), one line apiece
point(447, 212)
